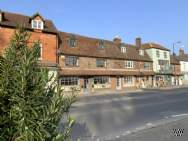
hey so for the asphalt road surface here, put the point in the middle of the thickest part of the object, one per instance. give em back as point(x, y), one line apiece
point(107, 117)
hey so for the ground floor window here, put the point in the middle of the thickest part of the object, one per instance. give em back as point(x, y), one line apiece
point(128, 80)
point(101, 80)
point(69, 81)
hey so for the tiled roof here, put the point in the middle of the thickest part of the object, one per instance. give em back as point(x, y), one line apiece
point(154, 45)
point(183, 57)
point(89, 72)
point(174, 60)
point(87, 46)
point(13, 20)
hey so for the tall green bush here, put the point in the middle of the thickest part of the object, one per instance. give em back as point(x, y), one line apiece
point(30, 106)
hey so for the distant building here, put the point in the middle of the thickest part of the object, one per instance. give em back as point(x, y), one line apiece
point(183, 58)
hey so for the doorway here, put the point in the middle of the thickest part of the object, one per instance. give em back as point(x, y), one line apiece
point(86, 86)
point(118, 83)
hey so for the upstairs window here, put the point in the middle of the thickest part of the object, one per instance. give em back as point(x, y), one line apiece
point(37, 24)
point(72, 42)
point(101, 44)
point(157, 54)
point(101, 63)
point(71, 61)
point(165, 55)
point(146, 65)
point(123, 49)
point(40, 52)
point(129, 64)
point(141, 52)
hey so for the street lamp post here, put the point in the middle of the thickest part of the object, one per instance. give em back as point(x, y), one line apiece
point(174, 45)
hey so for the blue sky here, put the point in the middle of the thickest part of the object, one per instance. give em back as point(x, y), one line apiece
point(161, 21)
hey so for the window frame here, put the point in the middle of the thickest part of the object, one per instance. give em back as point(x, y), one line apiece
point(123, 49)
point(40, 52)
point(165, 54)
point(147, 67)
point(71, 63)
point(101, 80)
point(141, 52)
point(100, 65)
point(69, 81)
point(129, 64)
point(157, 53)
point(72, 42)
point(128, 80)
point(37, 24)
point(101, 44)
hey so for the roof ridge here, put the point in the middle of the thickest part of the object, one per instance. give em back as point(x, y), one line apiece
point(94, 38)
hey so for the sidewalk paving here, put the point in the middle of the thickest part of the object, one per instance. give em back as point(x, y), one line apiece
point(176, 130)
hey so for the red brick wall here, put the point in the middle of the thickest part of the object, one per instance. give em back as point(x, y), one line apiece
point(90, 63)
point(49, 42)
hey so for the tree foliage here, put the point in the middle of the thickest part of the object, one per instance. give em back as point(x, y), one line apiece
point(30, 106)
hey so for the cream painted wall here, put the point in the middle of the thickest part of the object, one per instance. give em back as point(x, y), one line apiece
point(152, 53)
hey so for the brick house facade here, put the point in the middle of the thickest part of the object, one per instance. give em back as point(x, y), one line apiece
point(86, 64)
point(102, 65)
point(43, 31)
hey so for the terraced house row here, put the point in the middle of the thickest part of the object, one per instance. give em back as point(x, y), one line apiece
point(91, 65)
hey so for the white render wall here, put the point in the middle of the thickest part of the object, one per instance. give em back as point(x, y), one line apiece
point(184, 66)
point(152, 53)
point(184, 71)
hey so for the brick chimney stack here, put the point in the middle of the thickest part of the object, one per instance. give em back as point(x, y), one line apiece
point(117, 40)
point(138, 42)
point(181, 52)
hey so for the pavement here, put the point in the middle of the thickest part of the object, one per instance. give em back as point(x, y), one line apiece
point(114, 117)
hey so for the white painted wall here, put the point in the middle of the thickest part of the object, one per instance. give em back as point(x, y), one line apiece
point(152, 53)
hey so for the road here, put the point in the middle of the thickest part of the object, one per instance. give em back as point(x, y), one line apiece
point(110, 116)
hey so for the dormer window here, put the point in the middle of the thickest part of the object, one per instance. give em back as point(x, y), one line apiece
point(37, 24)
point(123, 49)
point(72, 42)
point(141, 52)
point(101, 44)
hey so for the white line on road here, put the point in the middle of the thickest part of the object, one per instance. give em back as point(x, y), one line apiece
point(179, 115)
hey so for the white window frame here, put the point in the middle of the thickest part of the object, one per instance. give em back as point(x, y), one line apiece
point(123, 49)
point(101, 80)
point(70, 79)
point(158, 53)
point(165, 54)
point(128, 80)
point(129, 64)
point(141, 52)
point(37, 24)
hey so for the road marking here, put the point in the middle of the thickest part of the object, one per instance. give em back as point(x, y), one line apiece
point(179, 115)
point(149, 124)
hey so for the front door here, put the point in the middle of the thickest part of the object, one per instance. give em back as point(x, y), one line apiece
point(86, 86)
point(118, 83)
